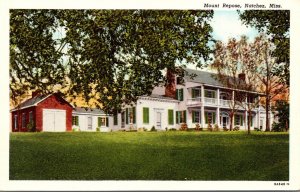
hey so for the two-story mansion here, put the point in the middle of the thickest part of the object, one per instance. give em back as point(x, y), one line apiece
point(200, 99)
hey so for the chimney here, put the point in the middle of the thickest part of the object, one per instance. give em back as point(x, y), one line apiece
point(35, 93)
point(242, 76)
point(170, 90)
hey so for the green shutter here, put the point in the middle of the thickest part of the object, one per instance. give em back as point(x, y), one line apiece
point(214, 117)
point(171, 117)
point(77, 120)
point(107, 122)
point(193, 116)
point(193, 93)
point(184, 116)
point(116, 119)
point(213, 94)
point(146, 115)
point(177, 117)
point(133, 115)
point(206, 118)
point(99, 121)
point(177, 94)
point(251, 121)
point(242, 118)
point(181, 94)
point(126, 116)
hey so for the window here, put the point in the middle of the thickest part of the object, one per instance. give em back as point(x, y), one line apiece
point(107, 122)
point(238, 120)
point(16, 121)
point(102, 122)
point(30, 117)
point(179, 94)
point(75, 120)
point(181, 116)
point(210, 117)
point(116, 119)
point(23, 120)
point(179, 80)
point(130, 115)
point(171, 117)
point(196, 93)
point(145, 115)
point(196, 116)
point(209, 93)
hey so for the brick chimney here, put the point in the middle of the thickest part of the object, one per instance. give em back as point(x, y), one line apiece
point(242, 76)
point(35, 93)
point(170, 90)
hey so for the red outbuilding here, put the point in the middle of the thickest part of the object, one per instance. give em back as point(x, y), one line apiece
point(43, 113)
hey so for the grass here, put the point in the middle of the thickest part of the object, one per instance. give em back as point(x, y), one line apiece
point(172, 155)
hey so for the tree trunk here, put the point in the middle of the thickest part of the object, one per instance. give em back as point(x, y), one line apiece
point(267, 113)
point(231, 121)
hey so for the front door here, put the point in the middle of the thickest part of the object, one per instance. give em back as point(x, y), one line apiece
point(89, 123)
point(158, 120)
point(224, 122)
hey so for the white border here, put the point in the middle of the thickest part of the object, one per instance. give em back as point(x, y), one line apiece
point(5, 184)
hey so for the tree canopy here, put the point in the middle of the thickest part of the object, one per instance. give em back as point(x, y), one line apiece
point(112, 55)
point(276, 24)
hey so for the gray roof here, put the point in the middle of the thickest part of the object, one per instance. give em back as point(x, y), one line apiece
point(32, 101)
point(202, 77)
point(88, 110)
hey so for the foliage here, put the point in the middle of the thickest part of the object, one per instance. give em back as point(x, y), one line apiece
point(236, 128)
point(30, 126)
point(120, 54)
point(256, 129)
point(35, 55)
point(283, 114)
point(183, 127)
point(276, 23)
point(172, 129)
point(209, 127)
point(198, 127)
point(225, 129)
point(98, 129)
point(130, 156)
point(153, 128)
point(216, 127)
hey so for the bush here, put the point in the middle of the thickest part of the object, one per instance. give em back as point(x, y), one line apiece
point(256, 129)
point(209, 127)
point(225, 129)
point(153, 128)
point(172, 129)
point(216, 127)
point(98, 129)
point(236, 128)
point(30, 126)
point(183, 127)
point(277, 127)
point(197, 127)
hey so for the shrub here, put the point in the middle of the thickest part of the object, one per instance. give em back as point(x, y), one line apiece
point(98, 129)
point(172, 129)
point(197, 127)
point(153, 128)
point(225, 129)
point(209, 127)
point(183, 127)
point(256, 129)
point(277, 127)
point(30, 126)
point(216, 127)
point(236, 128)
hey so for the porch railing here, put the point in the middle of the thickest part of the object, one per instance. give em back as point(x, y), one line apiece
point(194, 101)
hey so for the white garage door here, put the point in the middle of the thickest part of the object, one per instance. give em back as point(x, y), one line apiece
point(54, 120)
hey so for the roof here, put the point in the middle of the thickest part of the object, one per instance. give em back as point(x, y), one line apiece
point(88, 110)
point(202, 77)
point(34, 101)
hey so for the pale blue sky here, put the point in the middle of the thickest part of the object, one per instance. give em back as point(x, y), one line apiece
point(226, 24)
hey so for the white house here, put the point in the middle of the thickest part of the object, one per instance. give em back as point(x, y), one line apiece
point(87, 119)
point(201, 99)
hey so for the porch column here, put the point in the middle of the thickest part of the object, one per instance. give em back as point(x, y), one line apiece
point(233, 115)
point(218, 108)
point(202, 107)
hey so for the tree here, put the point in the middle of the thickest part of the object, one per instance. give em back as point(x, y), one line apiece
point(276, 24)
point(121, 54)
point(35, 56)
point(227, 65)
point(282, 108)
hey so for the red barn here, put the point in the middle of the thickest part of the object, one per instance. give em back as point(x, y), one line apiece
point(43, 113)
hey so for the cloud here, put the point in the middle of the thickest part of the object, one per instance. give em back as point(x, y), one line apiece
point(226, 24)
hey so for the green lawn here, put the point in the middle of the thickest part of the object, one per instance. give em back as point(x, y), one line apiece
point(149, 156)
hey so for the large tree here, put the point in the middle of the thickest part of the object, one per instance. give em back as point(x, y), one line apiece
point(35, 55)
point(275, 23)
point(121, 54)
